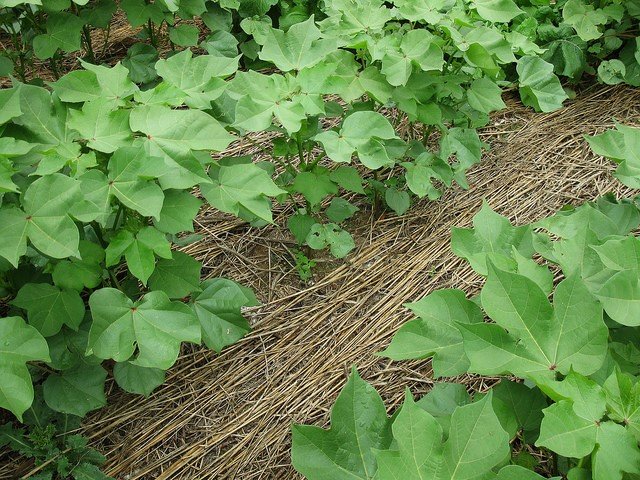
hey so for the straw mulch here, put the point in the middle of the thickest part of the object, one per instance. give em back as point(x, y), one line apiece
point(228, 416)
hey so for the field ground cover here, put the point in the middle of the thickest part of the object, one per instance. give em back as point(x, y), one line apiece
point(229, 415)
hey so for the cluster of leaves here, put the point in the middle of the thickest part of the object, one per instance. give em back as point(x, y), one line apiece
point(576, 357)
point(56, 452)
point(95, 187)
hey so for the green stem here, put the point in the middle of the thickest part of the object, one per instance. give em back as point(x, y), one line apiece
point(300, 150)
point(152, 39)
point(117, 218)
point(87, 40)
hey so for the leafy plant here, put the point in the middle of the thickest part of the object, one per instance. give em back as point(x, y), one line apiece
point(577, 356)
point(96, 186)
point(55, 450)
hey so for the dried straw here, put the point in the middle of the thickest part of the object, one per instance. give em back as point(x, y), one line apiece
point(228, 416)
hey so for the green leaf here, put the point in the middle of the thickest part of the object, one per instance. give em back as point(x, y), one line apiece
point(43, 118)
point(485, 96)
point(218, 310)
point(49, 307)
point(584, 18)
point(519, 408)
point(426, 11)
point(300, 225)
point(45, 220)
point(467, 147)
point(140, 61)
point(177, 277)
point(623, 400)
point(77, 274)
point(362, 132)
point(418, 48)
point(199, 78)
point(245, 187)
point(435, 334)
point(612, 72)
point(154, 326)
point(539, 86)
point(139, 12)
point(620, 297)
point(359, 426)
point(62, 32)
point(135, 379)
point(103, 129)
point(129, 171)
point(115, 84)
point(21, 344)
point(476, 443)
point(314, 186)
point(172, 135)
point(397, 200)
point(77, 86)
point(9, 104)
point(178, 212)
point(442, 400)
point(497, 10)
point(492, 235)
point(421, 173)
point(348, 178)
point(339, 241)
point(297, 48)
point(340, 210)
point(567, 56)
point(88, 471)
point(532, 337)
point(184, 35)
point(76, 391)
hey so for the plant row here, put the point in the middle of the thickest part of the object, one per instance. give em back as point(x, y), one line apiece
point(567, 352)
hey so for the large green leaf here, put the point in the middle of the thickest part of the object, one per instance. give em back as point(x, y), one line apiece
point(435, 334)
point(621, 145)
point(575, 427)
point(491, 235)
point(49, 307)
point(416, 48)
point(63, 31)
point(539, 86)
point(104, 130)
point(178, 276)
point(172, 135)
point(532, 337)
point(218, 310)
point(359, 426)
point(497, 10)
point(242, 187)
point(135, 379)
point(45, 220)
point(43, 118)
point(9, 104)
point(584, 18)
point(154, 326)
point(366, 134)
point(21, 343)
point(178, 211)
point(475, 444)
point(298, 47)
point(76, 391)
point(199, 78)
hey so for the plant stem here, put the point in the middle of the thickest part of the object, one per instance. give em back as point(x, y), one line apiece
point(300, 150)
point(152, 39)
point(87, 40)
